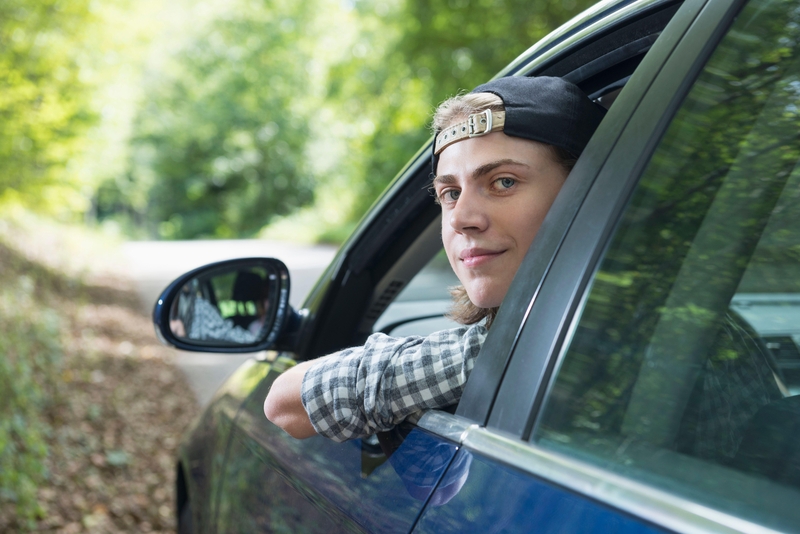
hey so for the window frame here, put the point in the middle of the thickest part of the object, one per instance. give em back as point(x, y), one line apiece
point(551, 320)
point(556, 303)
point(482, 390)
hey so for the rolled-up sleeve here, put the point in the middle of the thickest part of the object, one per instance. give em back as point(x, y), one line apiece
point(363, 390)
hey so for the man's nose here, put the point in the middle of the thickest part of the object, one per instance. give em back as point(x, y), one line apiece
point(469, 213)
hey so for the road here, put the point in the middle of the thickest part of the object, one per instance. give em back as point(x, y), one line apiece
point(154, 264)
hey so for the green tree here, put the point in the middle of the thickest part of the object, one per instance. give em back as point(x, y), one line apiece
point(44, 100)
point(411, 55)
point(219, 145)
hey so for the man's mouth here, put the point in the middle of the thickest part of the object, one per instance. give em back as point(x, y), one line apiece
point(474, 257)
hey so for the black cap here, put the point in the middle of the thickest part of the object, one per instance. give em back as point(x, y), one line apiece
point(545, 109)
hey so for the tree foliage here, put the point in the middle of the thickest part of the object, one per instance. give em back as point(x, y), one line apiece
point(246, 111)
point(225, 143)
point(413, 54)
point(220, 142)
point(44, 100)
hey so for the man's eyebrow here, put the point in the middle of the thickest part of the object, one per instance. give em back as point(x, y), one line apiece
point(443, 179)
point(486, 168)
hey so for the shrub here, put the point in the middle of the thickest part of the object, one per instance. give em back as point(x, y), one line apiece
point(30, 357)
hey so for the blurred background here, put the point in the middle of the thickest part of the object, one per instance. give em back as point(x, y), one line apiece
point(131, 123)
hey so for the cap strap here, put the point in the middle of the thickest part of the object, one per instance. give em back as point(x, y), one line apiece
point(476, 125)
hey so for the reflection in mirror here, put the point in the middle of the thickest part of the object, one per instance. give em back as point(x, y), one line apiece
point(228, 307)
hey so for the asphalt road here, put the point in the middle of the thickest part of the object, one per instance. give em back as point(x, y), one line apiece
point(154, 264)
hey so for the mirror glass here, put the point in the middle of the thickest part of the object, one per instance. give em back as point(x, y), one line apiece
point(230, 306)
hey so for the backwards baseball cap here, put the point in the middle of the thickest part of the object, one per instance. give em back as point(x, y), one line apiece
point(545, 109)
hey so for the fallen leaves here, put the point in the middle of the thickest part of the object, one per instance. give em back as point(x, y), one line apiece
point(116, 414)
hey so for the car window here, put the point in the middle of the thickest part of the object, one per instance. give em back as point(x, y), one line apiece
point(682, 370)
point(420, 308)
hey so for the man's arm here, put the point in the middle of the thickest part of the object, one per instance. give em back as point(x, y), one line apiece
point(372, 388)
point(283, 405)
point(367, 389)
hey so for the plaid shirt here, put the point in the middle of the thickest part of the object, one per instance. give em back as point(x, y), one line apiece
point(364, 390)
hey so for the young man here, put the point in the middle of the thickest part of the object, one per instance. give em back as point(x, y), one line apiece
point(501, 155)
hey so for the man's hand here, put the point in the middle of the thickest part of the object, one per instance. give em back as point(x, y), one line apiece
point(283, 405)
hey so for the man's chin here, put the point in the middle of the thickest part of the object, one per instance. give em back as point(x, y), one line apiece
point(484, 299)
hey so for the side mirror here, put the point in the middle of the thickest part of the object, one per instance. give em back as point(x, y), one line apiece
point(228, 306)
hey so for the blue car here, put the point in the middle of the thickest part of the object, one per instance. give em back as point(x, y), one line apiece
point(642, 374)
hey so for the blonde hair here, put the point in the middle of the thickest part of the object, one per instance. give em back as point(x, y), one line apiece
point(452, 111)
point(458, 108)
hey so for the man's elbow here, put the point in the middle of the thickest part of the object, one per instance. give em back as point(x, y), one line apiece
point(284, 408)
point(272, 407)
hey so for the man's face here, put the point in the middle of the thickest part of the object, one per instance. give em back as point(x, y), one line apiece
point(495, 191)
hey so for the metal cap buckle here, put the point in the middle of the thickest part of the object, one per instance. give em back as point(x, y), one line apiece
point(476, 125)
point(480, 119)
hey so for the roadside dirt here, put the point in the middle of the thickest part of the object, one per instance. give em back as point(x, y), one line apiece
point(117, 410)
point(122, 407)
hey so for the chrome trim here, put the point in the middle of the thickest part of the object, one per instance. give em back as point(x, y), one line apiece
point(642, 501)
point(575, 30)
point(448, 426)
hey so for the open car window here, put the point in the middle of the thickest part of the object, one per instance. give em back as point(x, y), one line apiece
point(420, 307)
point(682, 370)
point(389, 256)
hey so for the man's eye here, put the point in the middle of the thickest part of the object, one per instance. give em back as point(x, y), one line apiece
point(450, 195)
point(506, 183)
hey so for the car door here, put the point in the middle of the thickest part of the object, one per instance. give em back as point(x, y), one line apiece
point(386, 280)
point(273, 482)
point(645, 391)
